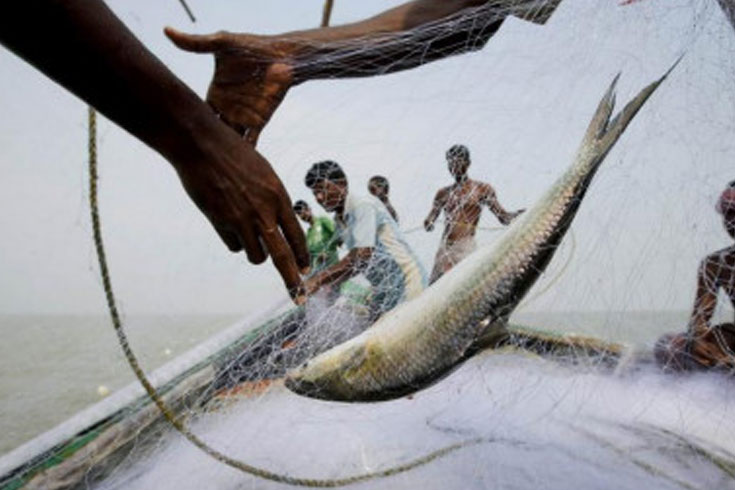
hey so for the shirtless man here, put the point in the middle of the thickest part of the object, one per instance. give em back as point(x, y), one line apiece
point(379, 187)
point(462, 204)
point(704, 345)
point(253, 73)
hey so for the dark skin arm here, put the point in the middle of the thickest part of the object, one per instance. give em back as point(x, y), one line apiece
point(398, 39)
point(351, 265)
point(699, 342)
point(439, 200)
point(705, 300)
point(491, 200)
point(84, 47)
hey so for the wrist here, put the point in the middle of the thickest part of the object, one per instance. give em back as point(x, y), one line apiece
point(194, 133)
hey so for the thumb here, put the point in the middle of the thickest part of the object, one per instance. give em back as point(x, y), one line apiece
point(196, 43)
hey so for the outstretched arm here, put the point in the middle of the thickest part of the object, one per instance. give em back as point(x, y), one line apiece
point(84, 47)
point(436, 208)
point(499, 211)
point(404, 37)
point(351, 265)
point(705, 300)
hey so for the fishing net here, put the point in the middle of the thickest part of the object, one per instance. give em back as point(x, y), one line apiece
point(572, 397)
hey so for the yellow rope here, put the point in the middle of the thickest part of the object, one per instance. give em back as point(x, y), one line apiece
point(165, 410)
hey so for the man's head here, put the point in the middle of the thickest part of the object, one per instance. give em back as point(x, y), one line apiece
point(378, 186)
point(458, 160)
point(726, 207)
point(328, 182)
point(303, 211)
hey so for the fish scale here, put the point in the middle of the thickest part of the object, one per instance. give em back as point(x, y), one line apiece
point(424, 339)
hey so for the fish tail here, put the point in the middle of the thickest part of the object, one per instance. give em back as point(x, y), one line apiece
point(605, 131)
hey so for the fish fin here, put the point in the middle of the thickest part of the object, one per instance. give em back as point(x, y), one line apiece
point(599, 124)
point(616, 127)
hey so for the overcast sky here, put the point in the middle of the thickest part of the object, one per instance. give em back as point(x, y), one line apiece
point(521, 105)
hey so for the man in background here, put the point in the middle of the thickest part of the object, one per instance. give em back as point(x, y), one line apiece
point(462, 204)
point(704, 345)
point(379, 187)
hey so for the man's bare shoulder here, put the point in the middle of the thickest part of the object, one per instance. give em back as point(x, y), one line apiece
point(721, 261)
point(482, 188)
point(443, 192)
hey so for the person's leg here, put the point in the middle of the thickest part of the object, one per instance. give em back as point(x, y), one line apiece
point(671, 354)
point(715, 349)
point(450, 255)
point(440, 262)
point(253, 73)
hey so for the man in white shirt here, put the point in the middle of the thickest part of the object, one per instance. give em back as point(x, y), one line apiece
point(376, 246)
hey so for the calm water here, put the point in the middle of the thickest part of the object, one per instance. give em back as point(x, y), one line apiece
point(52, 366)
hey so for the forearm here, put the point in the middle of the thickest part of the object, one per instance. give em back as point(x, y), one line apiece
point(404, 17)
point(337, 274)
point(430, 219)
point(705, 302)
point(699, 321)
point(84, 47)
point(402, 38)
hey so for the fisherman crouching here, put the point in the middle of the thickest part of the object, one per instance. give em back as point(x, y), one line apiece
point(705, 346)
point(376, 246)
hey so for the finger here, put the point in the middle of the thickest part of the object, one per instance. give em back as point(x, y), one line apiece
point(253, 247)
point(230, 239)
point(282, 258)
point(294, 235)
point(196, 43)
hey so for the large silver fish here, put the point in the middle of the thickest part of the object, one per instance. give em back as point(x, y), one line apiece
point(423, 339)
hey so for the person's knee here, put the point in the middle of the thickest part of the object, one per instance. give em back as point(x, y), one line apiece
point(670, 352)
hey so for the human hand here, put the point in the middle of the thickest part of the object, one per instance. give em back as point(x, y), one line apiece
point(310, 286)
point(251, 77)
point(243, 198)
point(509, 217)
point(305, 290)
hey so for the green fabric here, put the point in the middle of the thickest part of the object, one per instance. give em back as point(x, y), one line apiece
point(322, 241)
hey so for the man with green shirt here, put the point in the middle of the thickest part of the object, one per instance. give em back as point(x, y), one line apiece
point(322, 238)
